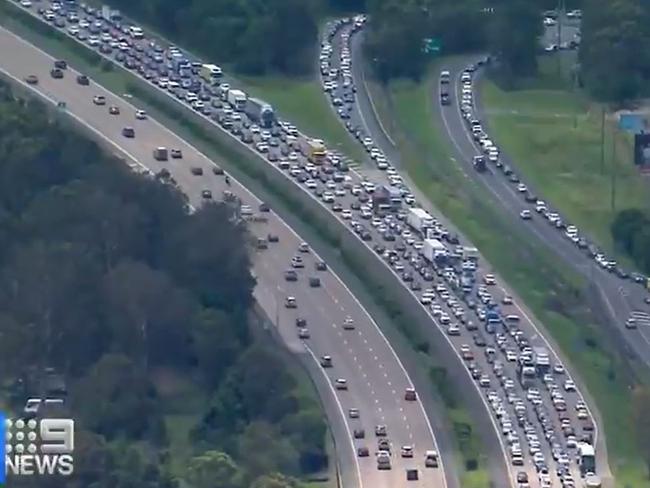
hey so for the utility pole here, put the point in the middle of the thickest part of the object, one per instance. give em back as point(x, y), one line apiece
point(560, 17)
point(575, 93)
point(602, 140)
point(613, 171)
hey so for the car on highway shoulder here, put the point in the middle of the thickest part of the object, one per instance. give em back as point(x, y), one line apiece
point(140, 115)
point(410, 395)
point(31, 80)
point(83, 80)
point(326, 361)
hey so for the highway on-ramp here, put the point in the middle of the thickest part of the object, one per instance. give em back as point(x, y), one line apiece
point(376, 380)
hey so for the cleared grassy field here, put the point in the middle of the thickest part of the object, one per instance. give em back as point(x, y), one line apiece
point(550, 292)
point(302, 102)
point(554, 137)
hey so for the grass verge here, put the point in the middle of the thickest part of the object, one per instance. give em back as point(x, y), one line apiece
point(302, 101)
point(329, 238)
point(557, 297)
point(554, 135)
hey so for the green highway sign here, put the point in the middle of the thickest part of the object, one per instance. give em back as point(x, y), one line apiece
point(431, 45)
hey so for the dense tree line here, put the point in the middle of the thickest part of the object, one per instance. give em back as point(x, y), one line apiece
point(508, 29)
point(631, 232)
point(107, 278)
point(253, 36)
point(398, 28)
point(615, 61)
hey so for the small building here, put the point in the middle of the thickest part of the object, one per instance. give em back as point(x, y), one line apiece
point(386, 199)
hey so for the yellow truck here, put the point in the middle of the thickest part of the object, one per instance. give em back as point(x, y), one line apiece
point(314, 150)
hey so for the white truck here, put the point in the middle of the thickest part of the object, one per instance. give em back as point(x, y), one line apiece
point(211, 74)
point(419, 220)
point(237, 99)
point(433, 248)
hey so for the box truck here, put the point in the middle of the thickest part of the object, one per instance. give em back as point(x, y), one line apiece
point(160, 154)
point(419, 220)
point(314, 150)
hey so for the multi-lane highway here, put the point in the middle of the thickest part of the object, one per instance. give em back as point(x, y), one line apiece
point(360, 117)
point(376, 382)
point(490, 361)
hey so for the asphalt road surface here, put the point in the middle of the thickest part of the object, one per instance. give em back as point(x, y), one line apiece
point(457, 343)
point(363, 114)
point(620, 297)
point(375, 378)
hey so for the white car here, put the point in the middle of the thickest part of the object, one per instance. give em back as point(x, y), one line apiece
point(569, 385)
point(346, 214)
point(521, 188)
point(407, 451)
point(348, 324)
point(341, 384)
point(526, 215)
point(140, 114)
point(25, 3)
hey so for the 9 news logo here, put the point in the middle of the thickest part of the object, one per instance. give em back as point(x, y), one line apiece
point(37, 447)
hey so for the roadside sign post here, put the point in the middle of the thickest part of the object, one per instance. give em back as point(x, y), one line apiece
point(431, 46)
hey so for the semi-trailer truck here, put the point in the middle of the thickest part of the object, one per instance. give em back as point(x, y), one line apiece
point(419, 220)
point(237, 99)
point(260, 112)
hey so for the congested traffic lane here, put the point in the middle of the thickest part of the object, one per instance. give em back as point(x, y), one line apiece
point(376, 381)
point(369, 234)
point(620, 296)
point(527, 325)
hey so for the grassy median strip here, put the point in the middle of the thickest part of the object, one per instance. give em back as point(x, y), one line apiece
point(302, 101)
point(554, 135)
point(557, 297)
point(329, 238)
